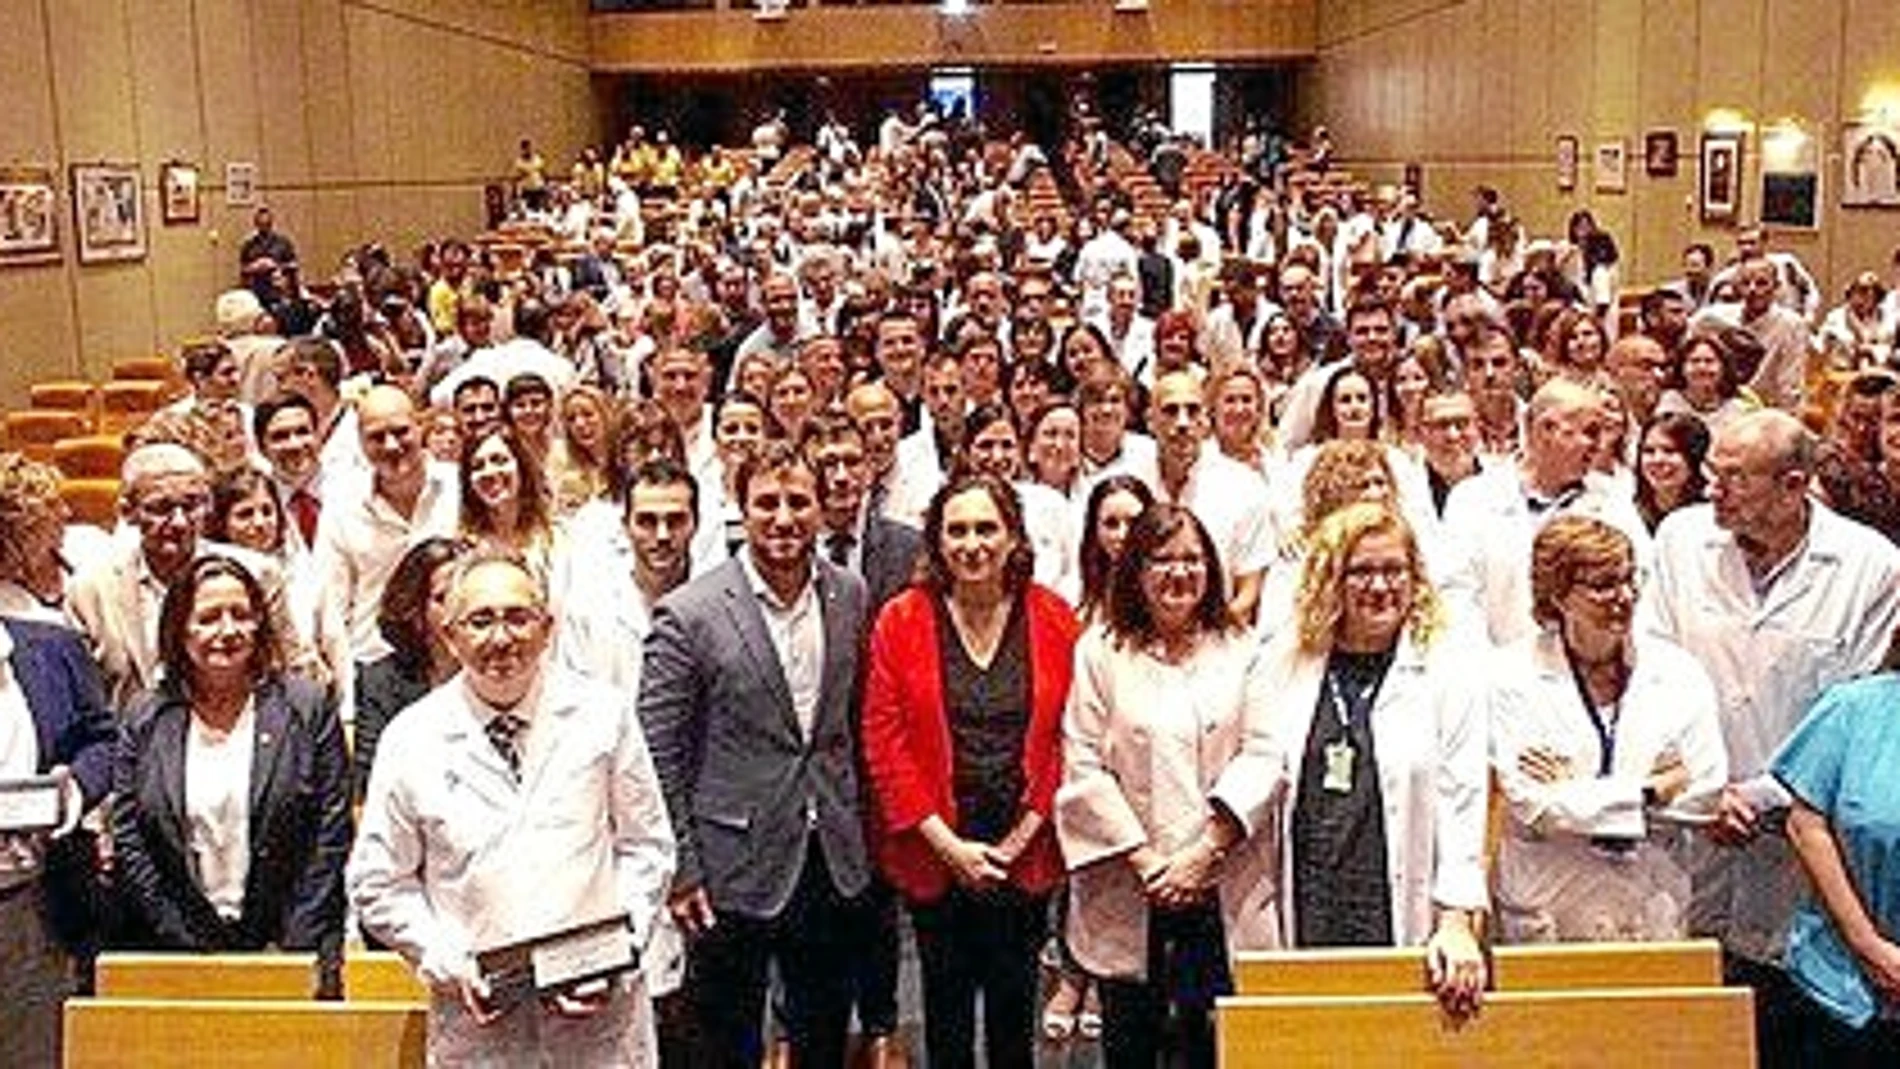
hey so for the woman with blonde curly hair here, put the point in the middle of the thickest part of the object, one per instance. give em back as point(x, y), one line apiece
point(32, 526)
point(579, 464)
point(1380, 738)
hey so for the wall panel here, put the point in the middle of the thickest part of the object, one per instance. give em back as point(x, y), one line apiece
point(368, 119)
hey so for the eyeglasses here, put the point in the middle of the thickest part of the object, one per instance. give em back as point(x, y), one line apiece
point(519, 621)
point(1365, 575)
point(1606, 586)
point(162, 509)
point(1182, 565)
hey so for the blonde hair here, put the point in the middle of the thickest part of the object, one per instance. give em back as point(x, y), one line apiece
point(1338, 478)
point(29, 490)
point(1321, 601)
point(1568, 546)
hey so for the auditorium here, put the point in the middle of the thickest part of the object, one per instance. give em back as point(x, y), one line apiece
point(930, 533)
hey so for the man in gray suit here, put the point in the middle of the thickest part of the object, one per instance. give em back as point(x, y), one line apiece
point(748, 696)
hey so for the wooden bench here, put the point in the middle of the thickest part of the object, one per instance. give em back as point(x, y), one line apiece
point(166, 1033)
point(1684, 1028)
point(1543, 967)
point(367, 977)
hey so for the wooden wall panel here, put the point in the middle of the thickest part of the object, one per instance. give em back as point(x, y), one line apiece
point(368, 119)
point(1601, 69)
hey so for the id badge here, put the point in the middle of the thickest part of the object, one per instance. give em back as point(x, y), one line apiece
point(1338, 777)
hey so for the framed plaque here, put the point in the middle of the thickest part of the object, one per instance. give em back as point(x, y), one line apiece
point(558, 962)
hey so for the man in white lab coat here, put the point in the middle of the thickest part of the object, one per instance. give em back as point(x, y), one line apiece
point(513, 802)
point(1779, 598)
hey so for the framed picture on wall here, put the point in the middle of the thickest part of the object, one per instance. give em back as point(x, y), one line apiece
point(108, 212)
point(1567, 150)
point(1870, 165)
point(1612, 166)
point(29, 216)
point(1659, 154)
point(178, 193)
point(240, 185)
point(1719, 183)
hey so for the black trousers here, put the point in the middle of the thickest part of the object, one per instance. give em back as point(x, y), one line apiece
point(1781, 1011)
point(813, 941)
point(1828, 1041)
point(1170, 1015)
point(875, 974)
point(980, 944)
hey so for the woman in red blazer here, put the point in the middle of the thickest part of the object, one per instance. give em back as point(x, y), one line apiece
point(969, 672)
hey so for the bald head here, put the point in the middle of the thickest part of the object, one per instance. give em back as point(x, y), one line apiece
point(392, 441)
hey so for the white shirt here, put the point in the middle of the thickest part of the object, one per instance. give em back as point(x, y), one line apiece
point(1827, 617)
point(19, 759)
point(359, 543)
point(218, 809)
point(1489, 527)
point(797, 631)
point(1230, 500)
point(1553, 882)
point(604, 614)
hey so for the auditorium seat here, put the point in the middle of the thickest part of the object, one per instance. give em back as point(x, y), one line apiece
point(33, 431)
point(188, 1033)
point(94, 501)
point(96, 456)
point(66, 395)
point(150, 368)
point(124, 403)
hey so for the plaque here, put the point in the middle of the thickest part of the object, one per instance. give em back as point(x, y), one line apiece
point(558, 962)
point(35, 803)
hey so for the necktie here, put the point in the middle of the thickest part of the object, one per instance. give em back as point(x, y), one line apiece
point(304, 510)
point(838, 547)
point(504, 731)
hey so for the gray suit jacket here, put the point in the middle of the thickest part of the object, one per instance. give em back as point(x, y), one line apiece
point(888, 559)
point(745, 789)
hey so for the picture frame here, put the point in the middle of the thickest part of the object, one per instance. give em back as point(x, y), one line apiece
point(1567, 151)
point(240, 184)
point(1612, 166)
point(178, 200)
point(1870, 165)
point(108, 212)
point(1719, 178)
point(29, 216)
point(1661, 154)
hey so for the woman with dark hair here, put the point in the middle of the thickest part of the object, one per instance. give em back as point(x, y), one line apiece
point(1590, 261)
point(505, 498)
point(1380, 733)
point(1083, 344)
point(527, 404)
point(993, 446)
point(1711, 387)
point(1669, 457)
point(1283, 357)
point(1055, 446)
point(246, 512)
point(231, 800)
point(1167, 778)
point(413, 620)
point(1114, 503)
point(1348, 408)
point(969, 672)
point(1575, 346)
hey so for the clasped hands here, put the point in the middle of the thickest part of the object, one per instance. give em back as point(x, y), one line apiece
point(1180, 879)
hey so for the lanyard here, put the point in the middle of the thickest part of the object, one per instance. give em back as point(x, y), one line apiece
point(1605, 729)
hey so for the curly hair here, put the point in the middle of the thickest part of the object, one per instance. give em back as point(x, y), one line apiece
point(1338, 478)
point(1320, 606)
point(29, 495)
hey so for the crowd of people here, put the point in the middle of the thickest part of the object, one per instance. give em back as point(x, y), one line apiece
point(802, 549)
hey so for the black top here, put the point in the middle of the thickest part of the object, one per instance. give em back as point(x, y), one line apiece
point(384, 687)
point(1341, 895)
point(988, 713)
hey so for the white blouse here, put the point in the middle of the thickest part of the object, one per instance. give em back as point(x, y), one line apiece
point(218, 809)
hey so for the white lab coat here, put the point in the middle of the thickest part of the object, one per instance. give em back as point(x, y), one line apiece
point(1553, 884)
point(1489, 528)
point(453, 856)
point(1827, 618)
point(1428, 735)
point(1130, 720)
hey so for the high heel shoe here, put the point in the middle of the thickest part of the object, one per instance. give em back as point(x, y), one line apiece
point(1059, 1013)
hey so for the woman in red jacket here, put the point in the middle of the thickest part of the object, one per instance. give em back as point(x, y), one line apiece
point(969, 671)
